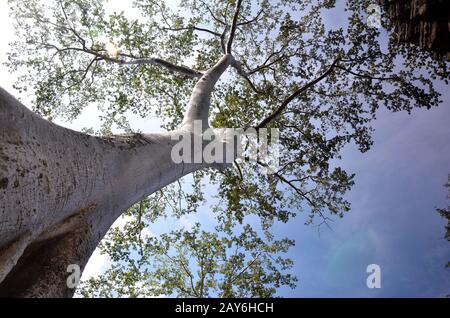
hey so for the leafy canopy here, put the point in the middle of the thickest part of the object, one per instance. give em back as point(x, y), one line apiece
point(319, 81)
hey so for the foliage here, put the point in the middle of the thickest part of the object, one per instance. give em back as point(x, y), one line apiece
point(191, 263)
point(338, 75)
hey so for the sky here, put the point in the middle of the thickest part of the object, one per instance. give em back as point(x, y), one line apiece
point(393, 222)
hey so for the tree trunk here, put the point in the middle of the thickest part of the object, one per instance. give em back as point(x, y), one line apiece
point(425, 23)
point(61, 190)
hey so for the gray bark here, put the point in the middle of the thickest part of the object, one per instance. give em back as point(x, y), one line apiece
point(61, 190)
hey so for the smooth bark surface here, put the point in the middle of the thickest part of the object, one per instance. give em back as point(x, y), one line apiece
point(61, 190)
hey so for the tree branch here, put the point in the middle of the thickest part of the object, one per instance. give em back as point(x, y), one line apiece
point(368, 76)
point(85, 73)
point(193, 28)
point(71, 28)
point(233, 27)
point(200, 101)
point(238, 168)
point(236, 65)
point(222, 39)
point(252, 20)
point(290, 184)
point(297, 93)
point(249, 264)
point(161, 63)
point(190, 73)
point(170, 28)
point(133, 60)
point(212, 14)
point(186, 270)
point(267, 64)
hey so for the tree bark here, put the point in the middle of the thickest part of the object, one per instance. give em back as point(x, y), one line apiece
point(425, 23)
point(61, 190)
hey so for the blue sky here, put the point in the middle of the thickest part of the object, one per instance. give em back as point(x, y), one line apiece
point(393, 222)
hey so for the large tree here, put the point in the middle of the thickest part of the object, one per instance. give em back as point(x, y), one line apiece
point(422, 22)
point(320, 84)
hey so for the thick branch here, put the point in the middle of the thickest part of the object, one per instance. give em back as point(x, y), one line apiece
point(198, 107)
point(132, 60)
